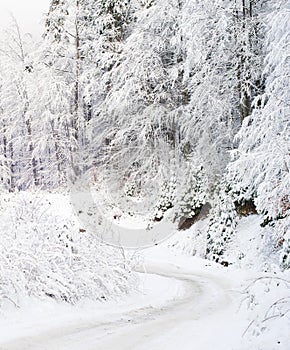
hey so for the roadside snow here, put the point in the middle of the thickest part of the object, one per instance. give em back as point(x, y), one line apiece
point(37, 317)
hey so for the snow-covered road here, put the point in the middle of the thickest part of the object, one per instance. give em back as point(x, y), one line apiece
point(196, 306)
point(165, 326)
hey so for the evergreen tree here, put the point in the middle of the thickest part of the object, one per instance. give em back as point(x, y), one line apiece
point(222, 224)
point(192, 192)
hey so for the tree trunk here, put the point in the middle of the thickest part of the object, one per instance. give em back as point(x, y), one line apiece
point(77, 72)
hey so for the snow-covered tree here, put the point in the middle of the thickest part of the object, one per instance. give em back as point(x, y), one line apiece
point(136, 119)
point(222, 224)
point(248, 30)
point(191, 192)
point(211, 119)
point(16, 79)
point(260, 169)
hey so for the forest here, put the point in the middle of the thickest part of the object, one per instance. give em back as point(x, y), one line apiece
point(172, 111)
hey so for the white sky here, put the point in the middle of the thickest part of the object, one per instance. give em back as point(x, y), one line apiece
point(28, 13)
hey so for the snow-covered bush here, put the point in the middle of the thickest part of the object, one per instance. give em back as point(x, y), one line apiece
point(45, 253)
point(267, 303)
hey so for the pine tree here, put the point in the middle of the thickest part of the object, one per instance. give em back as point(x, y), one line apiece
point(222, 224)
point(192, 192)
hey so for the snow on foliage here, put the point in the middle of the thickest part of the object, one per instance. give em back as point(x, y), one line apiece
point(266, 302)
point(222, 224)
point(45, 254)
point(192, 192)
point(260, 169)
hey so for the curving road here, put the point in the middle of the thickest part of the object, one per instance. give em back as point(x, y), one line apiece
point(182, 319)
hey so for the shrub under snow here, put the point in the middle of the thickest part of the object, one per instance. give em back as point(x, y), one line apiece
point(45, 253)
point(267, 305)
